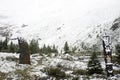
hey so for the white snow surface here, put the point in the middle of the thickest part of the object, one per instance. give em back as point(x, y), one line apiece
point(39, 63)
point(6, 65)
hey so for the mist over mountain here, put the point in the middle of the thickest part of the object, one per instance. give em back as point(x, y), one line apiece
point(56, 21)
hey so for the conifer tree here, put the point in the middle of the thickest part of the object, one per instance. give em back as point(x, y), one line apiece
point(12, 47)
point(34, 46)
point(44, 49)
point(66, 48)
point(48, 50)
point(118, 53)
point(5, 44)
point(74, 49)
point(54, 49)
point(94, 65)
point(1, 45)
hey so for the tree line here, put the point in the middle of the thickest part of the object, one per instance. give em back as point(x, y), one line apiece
point(11, 47)
point(93, 65)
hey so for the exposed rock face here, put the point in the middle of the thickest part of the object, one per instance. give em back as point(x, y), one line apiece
point(116, 24)
point(115, 31)
point(24, 57)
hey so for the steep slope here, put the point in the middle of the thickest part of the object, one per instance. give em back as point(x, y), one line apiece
point(54, 22)
point(115, 31)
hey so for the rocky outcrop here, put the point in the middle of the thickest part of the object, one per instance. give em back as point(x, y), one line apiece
point(116, 24)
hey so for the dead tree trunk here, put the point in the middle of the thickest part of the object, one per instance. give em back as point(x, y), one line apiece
point(24, 57)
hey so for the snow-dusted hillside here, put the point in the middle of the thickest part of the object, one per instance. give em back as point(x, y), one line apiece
point(57, 21)
point(9, 65)
point(115, 30)
point(11, 69)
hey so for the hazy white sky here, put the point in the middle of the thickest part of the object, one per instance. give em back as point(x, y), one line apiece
point(35, 11)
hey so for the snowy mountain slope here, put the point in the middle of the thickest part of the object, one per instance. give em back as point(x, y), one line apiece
point(57, 21)
point(115, 31)
point(116, 24)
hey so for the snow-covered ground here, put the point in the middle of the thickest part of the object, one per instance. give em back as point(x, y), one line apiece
point(9, 64)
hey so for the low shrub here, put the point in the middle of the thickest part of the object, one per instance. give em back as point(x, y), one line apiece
point(23, 74)
point(79, 72)
point(55, 72)
point(117, 71)
point(75, 78)
point(12, 58)
point(3, 76)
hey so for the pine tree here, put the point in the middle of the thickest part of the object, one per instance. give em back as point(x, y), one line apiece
point(12, 47)
point(74, 49)
point(48, 50)
point(54, 50)
point(5, 44)
point(1, 45)
point(94, 65)
point(44, 49)
point(66, 48)
point(34, 46)
point(118, 53)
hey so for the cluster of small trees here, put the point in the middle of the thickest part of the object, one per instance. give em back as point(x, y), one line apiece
point(48, 49)
point(5, 47)
point(94, 66)
point(13, 48)
point(33, 46)
point(117, 58)
point(67, 48)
